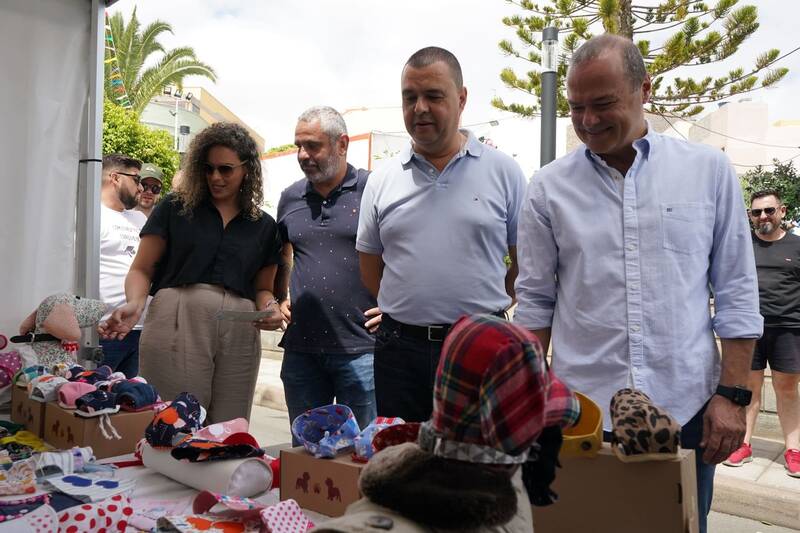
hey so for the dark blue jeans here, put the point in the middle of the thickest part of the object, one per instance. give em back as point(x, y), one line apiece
point(123, 356)
point(405, 371)
point(312, 380)
point(691, 435)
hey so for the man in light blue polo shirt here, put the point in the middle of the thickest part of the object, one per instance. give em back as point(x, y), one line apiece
point(436, 224)
point(626, 297)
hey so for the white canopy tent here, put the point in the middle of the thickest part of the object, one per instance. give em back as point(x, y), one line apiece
point(51, 97)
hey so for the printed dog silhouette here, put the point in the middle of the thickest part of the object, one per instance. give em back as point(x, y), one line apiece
point(317, 488)
point(333, 492)
point(302, 482)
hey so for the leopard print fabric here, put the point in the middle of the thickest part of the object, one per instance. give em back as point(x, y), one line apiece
point(641, 428)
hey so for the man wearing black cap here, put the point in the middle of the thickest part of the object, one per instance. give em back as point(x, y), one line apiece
point(151, 188)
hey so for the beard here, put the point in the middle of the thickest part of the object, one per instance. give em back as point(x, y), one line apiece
point(765, 228)
point(325, 171)
point(128, 200)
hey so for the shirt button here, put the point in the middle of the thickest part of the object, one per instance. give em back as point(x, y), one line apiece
point(430, 171)
point(631, 247)
point(634, 286)
point(635, 328)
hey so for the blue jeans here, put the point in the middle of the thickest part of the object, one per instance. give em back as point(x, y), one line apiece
point(312, 380)
point(123, 356)
point(405, 372)
point(691, 435)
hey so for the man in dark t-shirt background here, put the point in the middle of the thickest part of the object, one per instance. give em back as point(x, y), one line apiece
point(777, 254)
point(328, 346)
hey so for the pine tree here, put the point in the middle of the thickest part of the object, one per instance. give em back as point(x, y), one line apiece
point(134, 46)
point(674, 36)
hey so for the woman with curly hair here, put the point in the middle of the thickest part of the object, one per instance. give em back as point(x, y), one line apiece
point(206, 247)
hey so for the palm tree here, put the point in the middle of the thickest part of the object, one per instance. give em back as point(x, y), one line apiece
point(134, 46)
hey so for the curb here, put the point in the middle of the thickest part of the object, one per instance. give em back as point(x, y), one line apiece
point(770, 505)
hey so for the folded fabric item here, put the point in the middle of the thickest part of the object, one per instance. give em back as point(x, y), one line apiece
point(111, 514)
point(10, 364)
point(146, 511)
point(363, 442)
point(113, 379)
point(45, 388)
point(60, 501)
point(642, 431)
point(10, 427)
point(285, 517)
point(394, 435)
point(61, 370)
point(207, 500)
point(74, 372)
point(326, 431)
point(96, 403)
point(11, 509)
point(235, 477)
point(222, 430)
point(236, 446)
point(24, 376)
point(26, 438)
point(90, 488)
point(62, 462)
point(93, 376)
point(206, 523)
point(134, 396)
point(13, 451)
point(71, 391)
point(18, 477)
point(43, 519)
point(174, 423)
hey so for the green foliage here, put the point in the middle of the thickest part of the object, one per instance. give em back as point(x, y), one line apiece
point(783, 178)
point(673, 35)
point(123, 133)
point(134, 46)
point(281, 148)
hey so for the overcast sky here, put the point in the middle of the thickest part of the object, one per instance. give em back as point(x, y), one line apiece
point(274, 58)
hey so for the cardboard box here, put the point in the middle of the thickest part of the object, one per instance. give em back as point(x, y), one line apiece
point(326, 486)
point(603, 494)
point(64, 429)
point(28, 412)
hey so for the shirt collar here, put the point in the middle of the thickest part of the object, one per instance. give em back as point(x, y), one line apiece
point(643, 145)
point(472, 147)
point(350, 181)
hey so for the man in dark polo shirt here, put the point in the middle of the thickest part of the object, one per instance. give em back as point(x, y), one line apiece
point(328, 347)
point(777, 254)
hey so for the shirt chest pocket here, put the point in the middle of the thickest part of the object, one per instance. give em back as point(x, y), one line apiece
point(687, 227)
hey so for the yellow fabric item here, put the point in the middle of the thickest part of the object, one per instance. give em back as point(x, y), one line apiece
point(27, 438)
point(586, 437)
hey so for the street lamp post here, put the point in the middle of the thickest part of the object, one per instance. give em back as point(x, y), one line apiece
point(176, 94)
point(549, 96)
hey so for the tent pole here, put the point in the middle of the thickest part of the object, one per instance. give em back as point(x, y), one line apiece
point(87, 242)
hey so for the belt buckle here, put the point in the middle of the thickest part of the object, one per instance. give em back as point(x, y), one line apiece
point(435, 328)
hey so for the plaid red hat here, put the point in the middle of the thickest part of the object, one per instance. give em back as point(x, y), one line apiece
point(495, 392)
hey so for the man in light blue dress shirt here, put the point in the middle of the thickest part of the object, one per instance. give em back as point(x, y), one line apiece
point(626, 296)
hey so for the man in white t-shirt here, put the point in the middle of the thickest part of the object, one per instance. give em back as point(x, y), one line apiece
point(120, 225)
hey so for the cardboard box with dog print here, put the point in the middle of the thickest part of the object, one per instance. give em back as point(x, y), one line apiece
point(27, 412)
point(64, 429)
point(326, 486)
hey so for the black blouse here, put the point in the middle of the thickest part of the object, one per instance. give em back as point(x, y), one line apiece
point(201, 250)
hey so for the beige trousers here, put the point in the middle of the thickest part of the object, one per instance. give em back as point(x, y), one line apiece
point(183, 348)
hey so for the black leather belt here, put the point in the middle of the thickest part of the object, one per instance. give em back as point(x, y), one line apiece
point(432, 333)
point(34, 337)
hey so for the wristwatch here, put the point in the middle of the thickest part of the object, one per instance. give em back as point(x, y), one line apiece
point(738, 394)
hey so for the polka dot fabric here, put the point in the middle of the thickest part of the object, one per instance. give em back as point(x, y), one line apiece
point(41, 520)
point(107, 516)
point(285, 517)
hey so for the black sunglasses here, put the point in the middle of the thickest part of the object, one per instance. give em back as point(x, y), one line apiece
point(155, 189)
point(136, 177)
point(755, 213)
point(226, 171)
